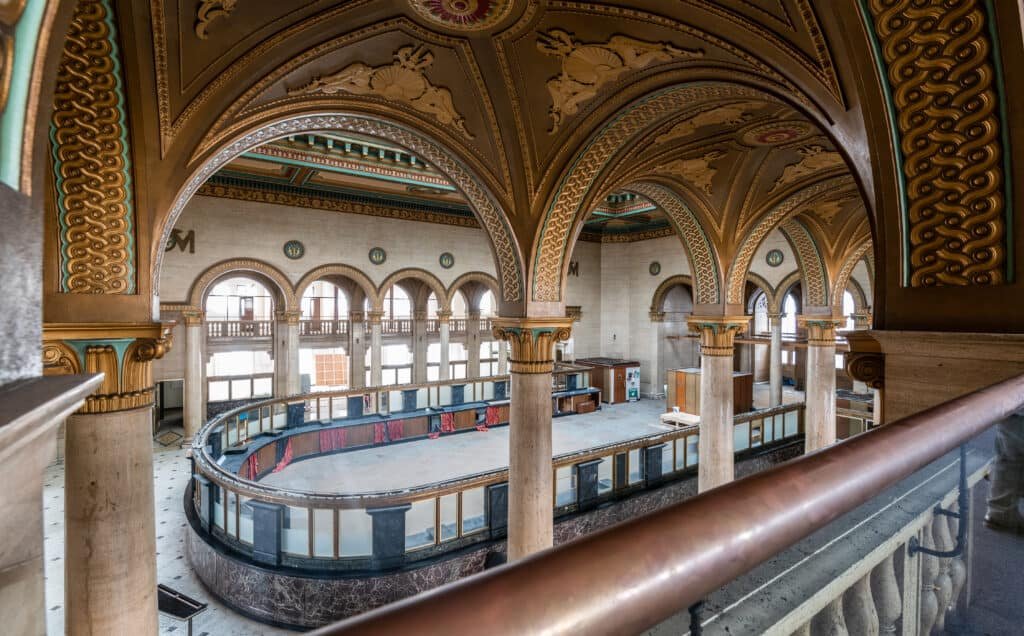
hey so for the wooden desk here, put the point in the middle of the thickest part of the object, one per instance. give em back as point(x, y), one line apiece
point(684, 391)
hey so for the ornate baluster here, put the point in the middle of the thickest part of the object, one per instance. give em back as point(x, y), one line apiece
point(943, 582)
point(886, 593)
point(957, 567)
point(859, 608)
point(830, 621)
point(929, 572)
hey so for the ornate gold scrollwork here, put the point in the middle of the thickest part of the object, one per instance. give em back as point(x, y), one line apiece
point(532, 341)
point(717, 334)
point(210, 10)
point(868, 368)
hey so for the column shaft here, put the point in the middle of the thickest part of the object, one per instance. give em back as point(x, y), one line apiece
point(473, 345)
point(419, 347)
point(445, 369)
point(820, 390)
point(357, 350)
point(195, 376)
point(376, 350)
point(775, 361)
point(110, 528)
point(502, 358)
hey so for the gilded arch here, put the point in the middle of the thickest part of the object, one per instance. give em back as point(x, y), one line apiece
point(782, 290)
point(699, 250)
point(326, 272)
point(658, 300)
point(272, 278)
point(481, 278)
point(845, 275)
point(860, 299)
point(492, 218)
point(782, 210)
point(765, 287)
point(812, 265)
point(414, 273)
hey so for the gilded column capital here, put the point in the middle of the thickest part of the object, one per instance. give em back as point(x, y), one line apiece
point(191, 317)
point(289, 316)
point(444, 315)
point(356, 316)
point(574, 312)
point(374, 317)
point(124, 353)
point(717, 333)
point(775, 318)
point(657, 316)
point(533, 341)
point(821, 330)
point(419, 314)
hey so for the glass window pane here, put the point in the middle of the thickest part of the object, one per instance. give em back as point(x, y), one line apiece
point(296, 531)
point(792, 423)
point(419, 524)
point(604, 475)
point(473, 518)
point(218, 391)
point(232, 528)
point(218, 507)
point(241, 389)
point(449, 516)
point(740, 440)
point(262, 387)
point(245, 520)
point(323, 533)
point(692, 454)
point(565, 486)
point(356, 533)
point(635, 476)
point(666, 459)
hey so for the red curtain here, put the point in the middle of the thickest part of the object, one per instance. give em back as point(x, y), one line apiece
point(332, 439)
point(286, 458)
point(447, 422)
point(254, 466)
point(396, 428)
point(378, 433)
point(490, 418)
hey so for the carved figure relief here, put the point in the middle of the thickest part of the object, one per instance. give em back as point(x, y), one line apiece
point(404, 80)
point(812, 159)
point(210, 10)
point(729, 115)
point(586, 68)
point(697, 170)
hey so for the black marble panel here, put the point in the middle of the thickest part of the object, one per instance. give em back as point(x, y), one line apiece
point(267, 531)
point(355, 406)
point(621, 470)
point(651, 457)
point(388, 535)
point(586, 483)
point(497, 509)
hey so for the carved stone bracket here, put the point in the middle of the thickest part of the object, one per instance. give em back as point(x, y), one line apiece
point(123, 353)
point(865, 361)
point(717, 334)
point(533, 341)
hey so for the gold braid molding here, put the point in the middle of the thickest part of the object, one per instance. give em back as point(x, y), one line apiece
point(564, 210)
point(938, 58)
point(532, 341)
point(846, 272)
point(815, 277)
point(123, 353)
point(90, 157)
point(717, 334)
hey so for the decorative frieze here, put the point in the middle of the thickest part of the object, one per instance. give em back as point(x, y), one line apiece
point(717, 334)
point(532, 341)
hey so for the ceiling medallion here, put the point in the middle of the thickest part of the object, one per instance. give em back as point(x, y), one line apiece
point(446, 260)
point(774, 258)
point(777, 133)
point(654, 268)
point(377, 255)
point(463, 15)
point(294, 250)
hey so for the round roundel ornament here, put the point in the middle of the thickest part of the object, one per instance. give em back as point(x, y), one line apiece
point(463, 15)
point(654, 268)
point(446, 260)
point(774, 258)
point(378, 256)
point(294, 250)
point(777, 133)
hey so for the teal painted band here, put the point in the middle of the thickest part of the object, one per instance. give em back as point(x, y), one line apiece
point(1004, 132)
point(120, 345)
point(12, 124)
point(129, 215)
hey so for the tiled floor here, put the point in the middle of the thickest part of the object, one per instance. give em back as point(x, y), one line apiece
point(171, 470)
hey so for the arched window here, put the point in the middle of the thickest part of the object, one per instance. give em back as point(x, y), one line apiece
point(324, 301)
point(789, 319)
point(397, 303)
point(239, 298)
point(488, 305)
point(849, 307)
point(432, 305)
point(761, 313)
point(460, 308)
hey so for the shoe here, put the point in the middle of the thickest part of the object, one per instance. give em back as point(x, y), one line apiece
point(999, 524)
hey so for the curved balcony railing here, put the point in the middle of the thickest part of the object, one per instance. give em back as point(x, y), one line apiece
point(343, 531)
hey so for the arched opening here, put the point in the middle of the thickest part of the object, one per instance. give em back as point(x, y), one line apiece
point(324, 356)
point(397, 355)
point(240, 360)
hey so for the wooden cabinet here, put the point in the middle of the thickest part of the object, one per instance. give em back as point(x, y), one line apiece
point(610, 375)
point(684, 391)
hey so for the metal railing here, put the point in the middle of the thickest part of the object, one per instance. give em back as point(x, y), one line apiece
point(646, 570)
point(331, 327)
point(240, 329)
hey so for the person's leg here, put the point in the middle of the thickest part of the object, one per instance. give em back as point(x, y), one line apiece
point(1007, 476)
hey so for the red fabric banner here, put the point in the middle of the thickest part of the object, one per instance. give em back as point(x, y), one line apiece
point(286, 458)
point(332, 439)
point(254, 467)
point(490, 419)
point(378, 433)
point(447, 422)
point(396, 428)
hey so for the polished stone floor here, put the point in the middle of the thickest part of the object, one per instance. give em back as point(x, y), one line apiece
point(171, 472)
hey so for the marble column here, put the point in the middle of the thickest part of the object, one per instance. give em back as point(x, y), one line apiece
point(110, 522)
point(32, 412)
point(530, 501)
point(820, 391)
point(443, 326)
point(286, 353)
point(502, 357)
point(195, 374)
point(419, 346)
point(473, 344)
point(775, 360)
point(356, 349)
point(376, 347)
point(715, 448)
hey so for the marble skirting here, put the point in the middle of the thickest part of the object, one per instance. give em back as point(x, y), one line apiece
point(280, 597)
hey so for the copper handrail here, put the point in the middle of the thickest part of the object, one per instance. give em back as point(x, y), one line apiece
point(634, 575)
